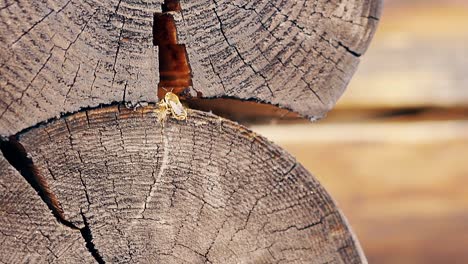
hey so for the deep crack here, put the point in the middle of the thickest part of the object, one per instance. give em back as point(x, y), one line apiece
point(88, 237)
point(15, 153)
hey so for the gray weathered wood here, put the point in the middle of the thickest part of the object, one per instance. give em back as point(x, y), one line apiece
point(202, 191)
point(28, 231)
point(57, 56)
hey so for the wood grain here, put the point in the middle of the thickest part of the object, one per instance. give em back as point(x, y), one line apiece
point(58, 56)
point(202, 191)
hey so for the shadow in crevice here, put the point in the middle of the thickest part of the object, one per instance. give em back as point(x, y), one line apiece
point(88, 237)
point(243, 111)
point(17, 156)
point(15, 153)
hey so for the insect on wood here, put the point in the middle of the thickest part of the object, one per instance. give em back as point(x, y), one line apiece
point(171, 104)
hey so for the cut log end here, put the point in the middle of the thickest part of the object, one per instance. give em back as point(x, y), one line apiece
point(205, 190)
point(64, 56)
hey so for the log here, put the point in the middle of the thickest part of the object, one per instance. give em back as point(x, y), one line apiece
point(204, 190)
point(60, 56)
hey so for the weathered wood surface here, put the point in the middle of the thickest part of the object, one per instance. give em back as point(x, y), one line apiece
point(58, 56)
point(29, 233)
point(202, 191)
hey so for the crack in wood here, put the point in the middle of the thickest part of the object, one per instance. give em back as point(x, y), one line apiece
point(88, 237)
point(174, 67)
point(15, 153)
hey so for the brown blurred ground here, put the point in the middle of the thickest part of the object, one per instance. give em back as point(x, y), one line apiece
point(394, 154)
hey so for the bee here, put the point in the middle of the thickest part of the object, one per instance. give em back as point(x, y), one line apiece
point(171, 104)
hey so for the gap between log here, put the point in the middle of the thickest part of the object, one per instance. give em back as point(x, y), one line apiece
point(243, 111)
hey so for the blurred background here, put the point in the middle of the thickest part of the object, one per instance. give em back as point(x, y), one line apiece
point(394, 152)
